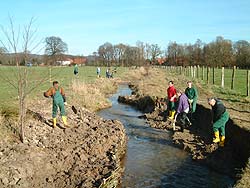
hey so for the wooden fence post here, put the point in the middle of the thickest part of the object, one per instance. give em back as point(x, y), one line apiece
point(233, 77)
point(213, 76)
point(194, 72)
point(208, 74)
point(203, 73)
point(222, 77)
point(248, 80)
point(198, 68)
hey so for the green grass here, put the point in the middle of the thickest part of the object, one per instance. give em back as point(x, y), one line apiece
point(239, 82)
point(64, 75)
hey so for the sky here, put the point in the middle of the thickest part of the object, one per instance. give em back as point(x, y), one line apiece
point(84, 25)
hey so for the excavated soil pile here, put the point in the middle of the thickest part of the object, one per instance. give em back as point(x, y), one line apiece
point(85, 155)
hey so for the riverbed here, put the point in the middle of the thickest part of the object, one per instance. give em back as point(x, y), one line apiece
point(152, 160)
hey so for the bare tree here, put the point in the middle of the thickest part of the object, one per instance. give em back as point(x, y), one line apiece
point(242, 53)
point(54, 48)
point(119, 51)
point(3, 54)
point(20, 44)
point(141, 52)
point(106, 52)
point(155, 51)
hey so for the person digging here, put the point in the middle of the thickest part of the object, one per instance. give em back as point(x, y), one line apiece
point(220, 118)
point(182, 111)
point(59, 100)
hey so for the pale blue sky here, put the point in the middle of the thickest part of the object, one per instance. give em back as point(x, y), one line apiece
point(86, 24)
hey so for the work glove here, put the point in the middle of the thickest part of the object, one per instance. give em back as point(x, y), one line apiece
point(172, 99)
point(44, 94)
point(190, 101)
point(65, 103)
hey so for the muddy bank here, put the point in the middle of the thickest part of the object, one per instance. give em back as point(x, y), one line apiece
point(197, 139)
point(85, 155)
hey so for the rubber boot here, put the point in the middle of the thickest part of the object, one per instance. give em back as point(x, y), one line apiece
point(54, 122)
point(169, 113)
point(172, 115)
point(217, 137)
point(64, 119)
point(222, 141)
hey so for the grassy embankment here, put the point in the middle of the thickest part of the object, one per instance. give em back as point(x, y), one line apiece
point(85, 89)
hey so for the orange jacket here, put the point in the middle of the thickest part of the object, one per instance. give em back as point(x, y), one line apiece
point(51, 92)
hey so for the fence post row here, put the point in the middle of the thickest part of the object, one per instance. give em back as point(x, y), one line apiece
point(194, 72)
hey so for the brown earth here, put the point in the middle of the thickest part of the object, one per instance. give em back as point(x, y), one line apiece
point(85, 155)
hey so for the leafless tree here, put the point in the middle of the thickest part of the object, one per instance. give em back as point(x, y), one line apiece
point(55, 48)
point(20, 44)
point(141, 52)
point(119, 51)
point(155, 51)
point(106, 52)
point(242, 53)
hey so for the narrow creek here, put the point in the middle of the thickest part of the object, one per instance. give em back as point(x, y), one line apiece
point(152, 160)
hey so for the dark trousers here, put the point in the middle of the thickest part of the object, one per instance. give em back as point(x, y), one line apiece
point(183, 120)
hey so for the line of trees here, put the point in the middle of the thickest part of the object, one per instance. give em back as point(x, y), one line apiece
point(54, 51)
point(220, 52)
point(126, 55)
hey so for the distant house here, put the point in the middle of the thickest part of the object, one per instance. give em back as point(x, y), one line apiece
point(65, 62)
point(161, 60)
point(79, 60)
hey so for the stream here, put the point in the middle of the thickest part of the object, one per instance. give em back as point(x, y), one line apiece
point(152, 160)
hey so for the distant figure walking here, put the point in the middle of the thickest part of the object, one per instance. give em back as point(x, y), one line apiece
point(75, 69)
point(108, 73)
point(98, 71)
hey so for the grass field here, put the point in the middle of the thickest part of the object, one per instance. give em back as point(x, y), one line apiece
point(64, 75)
point(240, 81)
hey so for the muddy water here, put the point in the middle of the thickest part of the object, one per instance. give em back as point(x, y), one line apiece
point(152, 160)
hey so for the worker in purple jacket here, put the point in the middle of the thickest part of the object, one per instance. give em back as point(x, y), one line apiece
point(182, 110)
